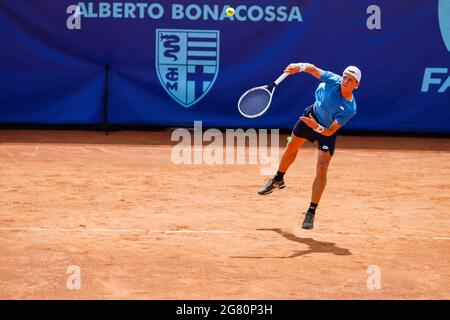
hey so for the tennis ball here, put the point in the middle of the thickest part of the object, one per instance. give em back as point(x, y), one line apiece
point(230, 12)
point(289, 139)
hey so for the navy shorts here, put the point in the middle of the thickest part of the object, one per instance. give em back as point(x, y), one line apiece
point(301, 130)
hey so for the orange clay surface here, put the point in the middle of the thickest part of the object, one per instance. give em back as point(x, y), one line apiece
point(140, 227)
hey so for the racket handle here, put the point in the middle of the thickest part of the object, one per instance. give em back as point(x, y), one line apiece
point(281, 78)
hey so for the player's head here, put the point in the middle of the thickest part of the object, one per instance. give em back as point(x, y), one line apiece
point(351, 77)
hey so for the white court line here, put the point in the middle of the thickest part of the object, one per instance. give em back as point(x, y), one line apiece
point(99, 230)
point(67, 229)
point(199, 231)
point(113, 230)
point(106, 230)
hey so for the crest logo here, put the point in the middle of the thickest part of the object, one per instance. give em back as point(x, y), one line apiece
point(187, 63)
point(444, 21)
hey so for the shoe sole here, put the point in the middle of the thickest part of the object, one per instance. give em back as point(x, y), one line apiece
point(307, 226)
point(266, 193)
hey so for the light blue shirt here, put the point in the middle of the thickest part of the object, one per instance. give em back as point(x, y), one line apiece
point(330, 105)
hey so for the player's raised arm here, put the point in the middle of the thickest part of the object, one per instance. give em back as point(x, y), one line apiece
point(294, 68)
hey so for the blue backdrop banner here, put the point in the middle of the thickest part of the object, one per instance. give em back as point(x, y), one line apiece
point(175, 62)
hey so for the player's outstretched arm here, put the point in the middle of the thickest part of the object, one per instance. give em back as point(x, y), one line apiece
point(294, 68)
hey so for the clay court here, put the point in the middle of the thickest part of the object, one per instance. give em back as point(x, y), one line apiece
point(141, 227)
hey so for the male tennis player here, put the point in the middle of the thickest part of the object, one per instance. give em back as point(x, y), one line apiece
point(334, 106)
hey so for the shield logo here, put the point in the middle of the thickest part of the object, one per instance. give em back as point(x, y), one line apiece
point(444, 21)
point(187, 63)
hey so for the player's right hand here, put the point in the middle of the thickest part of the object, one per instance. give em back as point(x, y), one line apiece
point(310, 122)
point(292, 68)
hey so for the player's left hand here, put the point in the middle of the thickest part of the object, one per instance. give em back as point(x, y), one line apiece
point(310, 122)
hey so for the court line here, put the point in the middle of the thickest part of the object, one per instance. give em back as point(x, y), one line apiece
point(199, 231)
point(337, 291)
point(67, 229)
point(113, 230)
point(105, 230)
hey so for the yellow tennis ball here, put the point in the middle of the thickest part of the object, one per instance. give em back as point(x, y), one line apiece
point(230, 12)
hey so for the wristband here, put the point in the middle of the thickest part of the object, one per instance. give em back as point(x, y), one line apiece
point(302, 66)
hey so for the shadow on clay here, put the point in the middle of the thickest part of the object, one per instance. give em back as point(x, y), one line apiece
point(314, 246)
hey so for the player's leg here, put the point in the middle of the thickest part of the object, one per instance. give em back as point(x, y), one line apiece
point(288, 157)
point(290, 153)
point(320, 181)
point(325, 154)
point(300, 134)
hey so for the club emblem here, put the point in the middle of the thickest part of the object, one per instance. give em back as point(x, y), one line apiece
point(187, 63)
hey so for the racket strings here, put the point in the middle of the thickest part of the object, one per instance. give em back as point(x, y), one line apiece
point(255, 102)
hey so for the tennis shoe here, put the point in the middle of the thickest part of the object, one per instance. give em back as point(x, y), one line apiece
point(308, 223)
point(271, 185)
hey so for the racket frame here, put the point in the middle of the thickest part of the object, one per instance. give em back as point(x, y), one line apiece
point(269, 88)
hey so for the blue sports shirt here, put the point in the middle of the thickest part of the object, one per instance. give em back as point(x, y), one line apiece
point(330, 105)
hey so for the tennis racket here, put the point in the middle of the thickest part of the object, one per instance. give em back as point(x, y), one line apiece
point(255, 102)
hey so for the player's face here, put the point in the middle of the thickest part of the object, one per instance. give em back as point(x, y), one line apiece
point(348, 83)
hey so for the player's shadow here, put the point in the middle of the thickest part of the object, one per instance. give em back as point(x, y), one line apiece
point(314, 246)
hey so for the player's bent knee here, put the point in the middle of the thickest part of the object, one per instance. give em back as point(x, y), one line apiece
point(324, 158)
point(323, 164)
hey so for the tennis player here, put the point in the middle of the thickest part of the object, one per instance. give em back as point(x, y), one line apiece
point(334, 106)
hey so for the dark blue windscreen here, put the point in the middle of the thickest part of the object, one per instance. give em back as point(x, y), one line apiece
point(176, 62)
